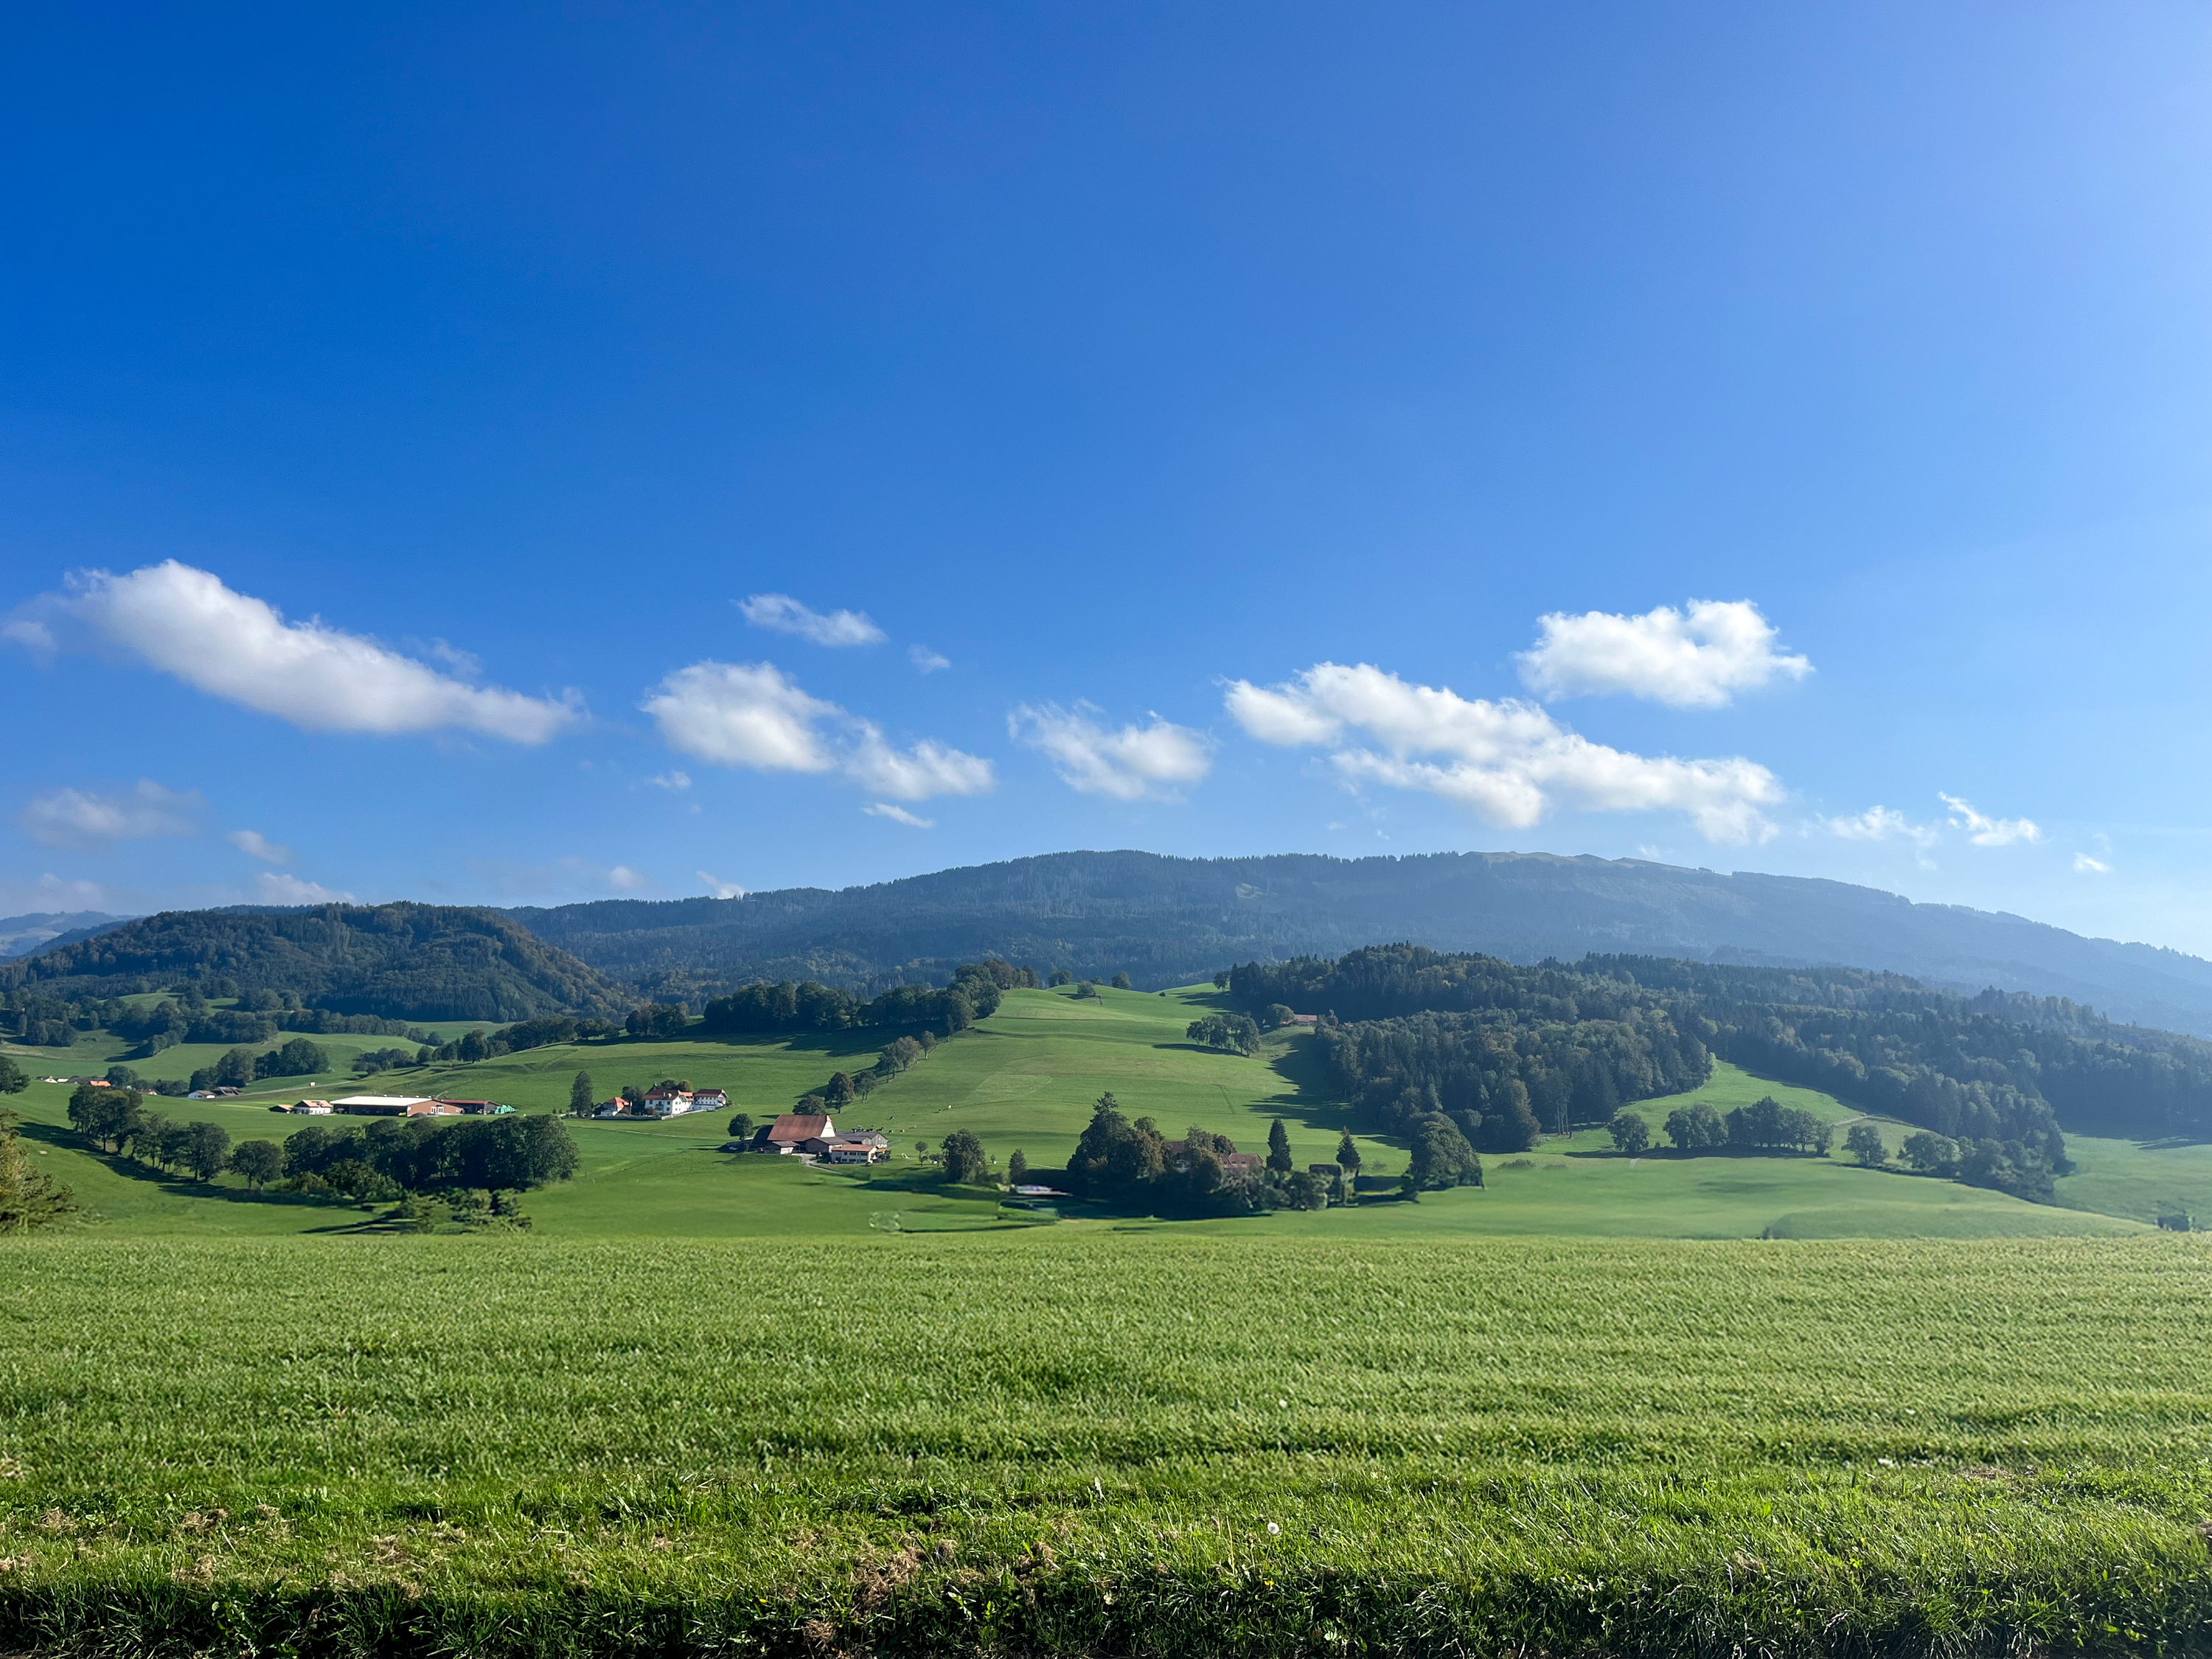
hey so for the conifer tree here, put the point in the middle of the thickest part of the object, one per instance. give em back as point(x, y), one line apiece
point(1279, 1148)
point(579, 1096)
point(1347, 1153)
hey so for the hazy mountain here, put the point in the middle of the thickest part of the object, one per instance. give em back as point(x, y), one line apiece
point(21, 935)
point(1167, 920)
point(400, 961)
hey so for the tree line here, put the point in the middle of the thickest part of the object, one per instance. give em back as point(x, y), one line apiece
point(373, 1162)
point(974, 994)
point(1611, 1029)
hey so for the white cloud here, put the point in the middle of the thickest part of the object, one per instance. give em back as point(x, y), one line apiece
point(1694, 659)
point(915, 774)
point(1985, 831)
point(624, 879)
point(785, 614)
point(742, 714)
point(254, 844)
point(50, 892)
point(720, 888)
point(898, 814)
point(90, 822)
point(276, 889)
point(186, 623)
point(1509, 761)
point(673, 780)
point(1880, 823)
point(2087, 865)
point(750, 714)
point(34, 635)
point(926, 661)
point(1132, 763)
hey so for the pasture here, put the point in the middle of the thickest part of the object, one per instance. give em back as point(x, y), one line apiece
point(1064, 1441)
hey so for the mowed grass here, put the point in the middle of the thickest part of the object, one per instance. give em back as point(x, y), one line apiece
point(1066, 1442)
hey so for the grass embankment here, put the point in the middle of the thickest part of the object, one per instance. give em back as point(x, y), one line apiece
point(1025, 1079)
point(1104, 1444)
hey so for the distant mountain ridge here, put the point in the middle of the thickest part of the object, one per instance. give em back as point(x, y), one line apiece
point(1167, 920)
point(398, 961)
point(21, 936)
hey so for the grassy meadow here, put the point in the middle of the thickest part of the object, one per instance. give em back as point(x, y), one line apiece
point(1165, 1443)
point(719, 1402)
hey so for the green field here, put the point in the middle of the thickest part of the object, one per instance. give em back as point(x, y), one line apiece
point(718, 1401)
point(1070, 1441)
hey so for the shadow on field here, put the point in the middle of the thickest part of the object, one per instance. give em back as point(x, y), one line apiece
point(175, 1185)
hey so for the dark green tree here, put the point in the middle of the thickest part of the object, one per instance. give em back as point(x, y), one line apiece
point(1931, 1154)
point(1863, 1142)
point(1060, 976)
point(1347, 1153)
point(1279, 1148)
point(1631, 1133)
point(235, 1069)
point(1696, 1128)
point(122, 1077)
point(473, 1046)
point(1441, 1156)
point(579, 1096)
point(259, 1161)
point(964, 1162)
point(29, 1199)
point(1121, 982)
point(207, 1150)
point(107, 1117)
point(741, 1125)
point(1018, 1169)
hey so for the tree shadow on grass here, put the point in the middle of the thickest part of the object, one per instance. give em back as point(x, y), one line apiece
point(176, 1186)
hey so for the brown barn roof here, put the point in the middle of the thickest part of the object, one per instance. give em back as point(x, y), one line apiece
point(798, 1125)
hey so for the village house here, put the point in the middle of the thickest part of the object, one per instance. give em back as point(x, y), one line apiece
point(853, 1146)
point(791, 1133)
point(710, 1099)
point(306, 1108)
point(666, 1102)
point(1305, 1020)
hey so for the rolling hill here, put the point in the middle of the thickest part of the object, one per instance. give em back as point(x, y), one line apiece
point(398, 961)
point(1169, 920)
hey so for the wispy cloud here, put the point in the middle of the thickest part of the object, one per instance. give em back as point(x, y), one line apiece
point(752, 715)
point(1985, 831)
point(254, 844)
point(785, 615)
point(1882, 823)
point(91, 823)
point(624, 879)
point(187, 623)
point(673, 780)
point(277, 889)
point(1509, 762)
point(2084, 863)
point(881, 808)
point(1125, 762)
point(720, 888)
point(926, 661)
point(1700, 658)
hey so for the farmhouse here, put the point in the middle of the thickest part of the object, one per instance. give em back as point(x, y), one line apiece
point(790, 1133)
point(393, 1106)
point(1305, 1020)
point(710, 1099)
point(1243, 1164)
point(854, 1147)
point(666, 1102)
point(306, 1108)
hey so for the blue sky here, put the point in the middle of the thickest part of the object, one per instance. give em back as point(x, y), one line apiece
point(436, 450)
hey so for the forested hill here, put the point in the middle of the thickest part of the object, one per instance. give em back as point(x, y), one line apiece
point(1167, 920)
point(412, 961)
point(1998, 1066)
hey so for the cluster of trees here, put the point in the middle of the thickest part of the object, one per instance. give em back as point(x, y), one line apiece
point(116, 1121)
point(1979, 1162)
point(1478, 1039)
point(974, 994)
point(1129, 1164)
point(388, 1156)
point(1765, 1126)
point(1239, 1033)
point(1504, 1077)
point(241, 1067)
